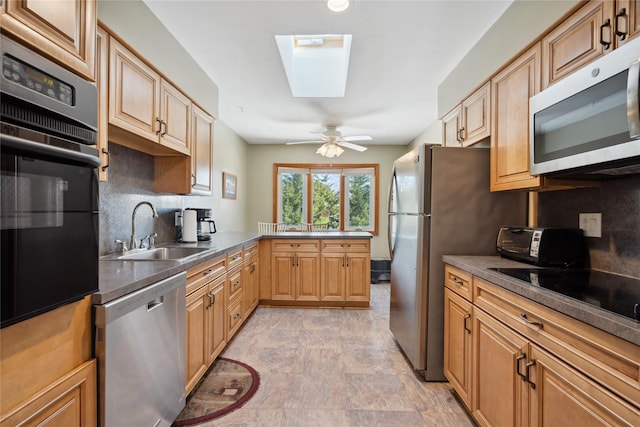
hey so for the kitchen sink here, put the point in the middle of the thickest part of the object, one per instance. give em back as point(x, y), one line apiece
point(157, 254)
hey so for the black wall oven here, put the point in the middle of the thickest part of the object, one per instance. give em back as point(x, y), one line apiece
point(49, 185)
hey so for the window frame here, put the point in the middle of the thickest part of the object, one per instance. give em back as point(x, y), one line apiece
point(308, 209)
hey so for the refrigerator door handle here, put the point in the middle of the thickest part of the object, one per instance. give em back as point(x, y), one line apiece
point(391, 211)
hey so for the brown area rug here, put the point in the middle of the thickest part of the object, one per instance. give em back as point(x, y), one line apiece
point(227, 386)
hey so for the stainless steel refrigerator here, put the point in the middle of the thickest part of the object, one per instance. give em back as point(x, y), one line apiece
point(439, 204)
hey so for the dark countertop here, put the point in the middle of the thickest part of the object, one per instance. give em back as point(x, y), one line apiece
point(118, 278)
point(617, 325)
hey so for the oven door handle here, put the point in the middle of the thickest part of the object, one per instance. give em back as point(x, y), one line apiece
point(49, 151)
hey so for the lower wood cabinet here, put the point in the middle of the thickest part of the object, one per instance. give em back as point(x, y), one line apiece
point(323, 272)
point(235, 294)
point(516, 363)
point(71, 401)
point(250, 296)
point(206, 317)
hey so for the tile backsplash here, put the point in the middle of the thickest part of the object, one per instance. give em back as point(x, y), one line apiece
point(618, 250)
point(131, 182)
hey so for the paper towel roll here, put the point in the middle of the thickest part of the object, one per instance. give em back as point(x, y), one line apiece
point(189, 225)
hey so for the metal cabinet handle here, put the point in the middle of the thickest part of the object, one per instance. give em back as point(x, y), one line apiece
point(236, 283)
point(163, 127)
point(607, 45)
point(523, 316)
point(457, 281)
point(106, 153)
point(236, 316)
point(622, 14)
point(527, 376)
point(461, 134)
point(193, 180)
point(522, 356)
point(159, 122)
point(467, 317)
point(253, 267)
point(209, 272)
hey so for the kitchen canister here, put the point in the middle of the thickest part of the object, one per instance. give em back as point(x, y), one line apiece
point(189, 226)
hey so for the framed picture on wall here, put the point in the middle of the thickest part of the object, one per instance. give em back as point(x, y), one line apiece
point(229, 185)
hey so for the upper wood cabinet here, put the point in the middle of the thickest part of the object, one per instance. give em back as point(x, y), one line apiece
point(469, 122)
point(583, 37)
point(511, 89)
point(142, 103)
point(102, 82)
point(64, 31)
point(627, 21)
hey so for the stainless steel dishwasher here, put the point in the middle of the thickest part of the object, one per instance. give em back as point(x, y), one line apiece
point(140, 345)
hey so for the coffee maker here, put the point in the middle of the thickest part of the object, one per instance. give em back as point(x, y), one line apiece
point(206, 226)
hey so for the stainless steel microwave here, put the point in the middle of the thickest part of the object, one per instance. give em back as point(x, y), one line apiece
point(588, 124)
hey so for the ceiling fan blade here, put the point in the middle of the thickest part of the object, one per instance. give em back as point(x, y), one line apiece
point(358, 138)
point(352, 146)
point(304, 142)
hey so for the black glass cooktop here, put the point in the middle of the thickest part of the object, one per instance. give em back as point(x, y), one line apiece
point(618, 294)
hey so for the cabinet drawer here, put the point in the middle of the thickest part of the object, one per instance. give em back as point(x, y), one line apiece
point(234, 319)
point(607, 359)
point(458, 281)
point(250, 251)
point(203, 273)
point(234, 257)
point(235, 283)
point(359, 245)
point(295, 245)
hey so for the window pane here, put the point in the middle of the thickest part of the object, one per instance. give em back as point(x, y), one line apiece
point(326, 199)
point(292, 198)
point(359, 202)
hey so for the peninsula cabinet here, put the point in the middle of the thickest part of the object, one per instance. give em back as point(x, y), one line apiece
point(345, 274)
point(143, 104)
point(469, 122)
point(511, 89)
point(205, 319)
point(295, 267)
point(325, 272)
point(63, 31)
point(527, 364)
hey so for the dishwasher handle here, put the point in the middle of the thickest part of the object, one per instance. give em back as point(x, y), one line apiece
point(155, 303)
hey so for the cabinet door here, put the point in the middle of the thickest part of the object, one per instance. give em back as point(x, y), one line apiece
point(457, 344)
point(134, 93)
point(475, 116)
point(69, 402)
point(627, 20)
point(282, 276)
point(451, 128)
point(510, 93)
point(332, 277)
point(358, 276)
point(216, 315)
point(563, 397)
point(175, 116)
point(307, 276)
point(499, 394)
point(196, 321)
point(102, 82)
point(580, 39)
point(201, 152)
point(64, 31)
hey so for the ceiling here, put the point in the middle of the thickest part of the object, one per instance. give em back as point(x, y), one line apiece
point(401, 51)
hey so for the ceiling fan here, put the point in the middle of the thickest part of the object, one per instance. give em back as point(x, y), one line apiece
point(332, 142)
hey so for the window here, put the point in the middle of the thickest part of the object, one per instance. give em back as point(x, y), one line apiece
point(344, 197)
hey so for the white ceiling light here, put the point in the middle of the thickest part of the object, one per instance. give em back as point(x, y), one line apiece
point(338, 5)
point(330, 149)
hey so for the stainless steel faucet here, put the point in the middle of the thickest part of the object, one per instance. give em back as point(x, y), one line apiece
point(133, 222)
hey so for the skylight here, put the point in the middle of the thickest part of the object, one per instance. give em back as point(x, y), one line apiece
point(316, 65)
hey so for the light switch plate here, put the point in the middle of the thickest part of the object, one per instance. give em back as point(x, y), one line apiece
point(591, 224)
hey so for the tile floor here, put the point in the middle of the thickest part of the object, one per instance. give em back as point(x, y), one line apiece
point(332, 368)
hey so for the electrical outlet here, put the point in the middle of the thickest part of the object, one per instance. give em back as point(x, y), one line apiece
point(178, 221)
point(591, 224)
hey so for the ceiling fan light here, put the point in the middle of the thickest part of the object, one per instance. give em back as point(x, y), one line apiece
point(338, 5)
point(322, 150)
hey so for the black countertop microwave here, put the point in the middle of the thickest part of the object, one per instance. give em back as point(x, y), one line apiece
point(587, 125)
